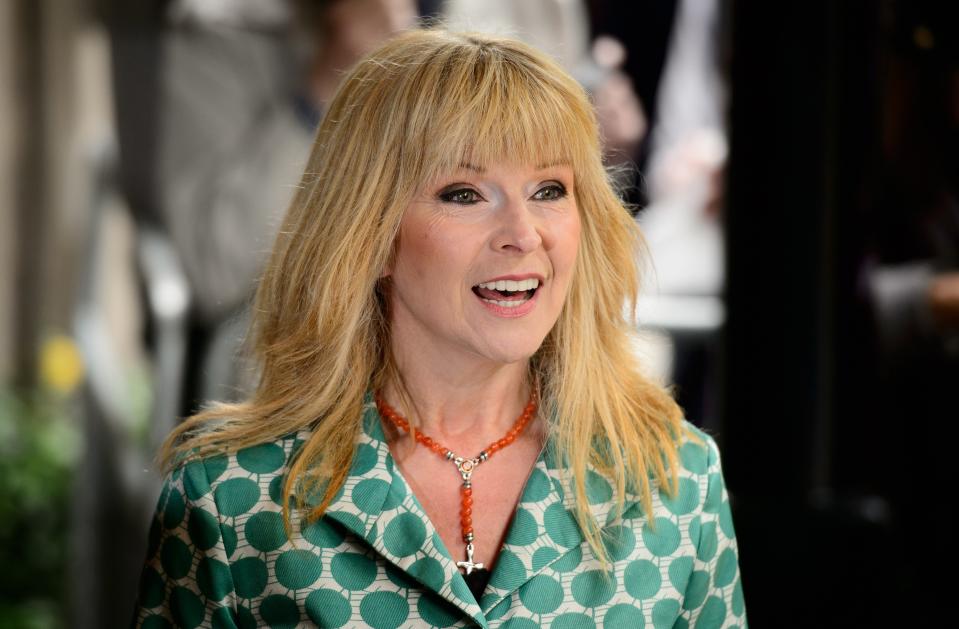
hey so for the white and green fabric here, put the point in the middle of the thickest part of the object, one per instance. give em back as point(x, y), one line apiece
point(219, 557)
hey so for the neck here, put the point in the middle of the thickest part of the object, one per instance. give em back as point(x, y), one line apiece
point(460, 405)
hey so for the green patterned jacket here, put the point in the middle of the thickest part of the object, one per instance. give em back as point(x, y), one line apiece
point(219, 557)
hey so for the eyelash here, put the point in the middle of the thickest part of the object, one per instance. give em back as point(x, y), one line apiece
point(558, 187)
point(449, 196)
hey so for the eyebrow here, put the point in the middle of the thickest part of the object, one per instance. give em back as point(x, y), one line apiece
point(479, 169)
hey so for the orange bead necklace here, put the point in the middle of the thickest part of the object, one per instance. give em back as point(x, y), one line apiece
point(464, 466)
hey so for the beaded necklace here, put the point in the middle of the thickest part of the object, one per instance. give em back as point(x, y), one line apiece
point(464, 466)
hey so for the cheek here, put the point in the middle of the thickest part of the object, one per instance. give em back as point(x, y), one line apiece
point(567, 243)
point(427, 253)
point(419, 251)
point(575, 236)
point(415, 247)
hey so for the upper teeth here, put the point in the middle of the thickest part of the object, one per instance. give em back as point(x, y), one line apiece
point(511, 285)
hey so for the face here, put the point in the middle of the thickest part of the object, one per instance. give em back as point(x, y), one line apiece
point(484, 261)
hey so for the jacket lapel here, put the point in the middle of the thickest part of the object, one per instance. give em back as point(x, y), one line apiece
point(544, 531)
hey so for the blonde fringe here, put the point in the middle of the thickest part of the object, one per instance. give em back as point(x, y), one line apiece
point(408, 114)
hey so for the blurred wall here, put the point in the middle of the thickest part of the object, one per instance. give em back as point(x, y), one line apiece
point(8, 143)
point(44, 182)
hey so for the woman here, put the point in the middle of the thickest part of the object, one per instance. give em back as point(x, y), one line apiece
point(449, 427)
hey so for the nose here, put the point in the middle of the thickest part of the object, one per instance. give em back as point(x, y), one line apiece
point(519, 230)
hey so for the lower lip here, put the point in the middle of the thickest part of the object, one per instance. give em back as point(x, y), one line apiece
point(510, 313)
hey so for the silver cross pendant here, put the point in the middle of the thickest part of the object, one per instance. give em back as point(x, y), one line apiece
point(468, 565)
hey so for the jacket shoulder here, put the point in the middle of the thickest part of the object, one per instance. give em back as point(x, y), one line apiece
point(698, 452)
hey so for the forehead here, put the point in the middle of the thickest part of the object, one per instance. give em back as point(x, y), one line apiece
point(481, 160)
point(499, 168)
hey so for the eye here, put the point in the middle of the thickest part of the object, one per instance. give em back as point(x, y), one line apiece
point(550, 192)
point(462, 196)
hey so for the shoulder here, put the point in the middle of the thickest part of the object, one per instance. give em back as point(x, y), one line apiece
point(697, 449)
point(702, 488)
point(237, 477)
point(206, 501)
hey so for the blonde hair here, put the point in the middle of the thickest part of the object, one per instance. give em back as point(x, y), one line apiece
point(409, 112)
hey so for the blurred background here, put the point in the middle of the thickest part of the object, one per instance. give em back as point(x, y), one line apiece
point(794, 166)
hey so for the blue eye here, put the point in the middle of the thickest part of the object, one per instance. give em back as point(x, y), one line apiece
point(462, 196)
point(550, 192)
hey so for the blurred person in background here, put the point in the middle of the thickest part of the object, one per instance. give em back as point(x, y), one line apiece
point(682, 301)
point(688, 157)
point(449, 280)
point(214, 131)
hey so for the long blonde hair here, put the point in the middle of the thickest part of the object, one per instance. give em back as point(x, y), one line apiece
point(414, 109)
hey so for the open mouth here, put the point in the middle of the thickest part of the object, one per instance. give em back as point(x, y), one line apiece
point(507, 293)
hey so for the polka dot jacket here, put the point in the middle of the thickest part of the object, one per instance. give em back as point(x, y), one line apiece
point(219, 557)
